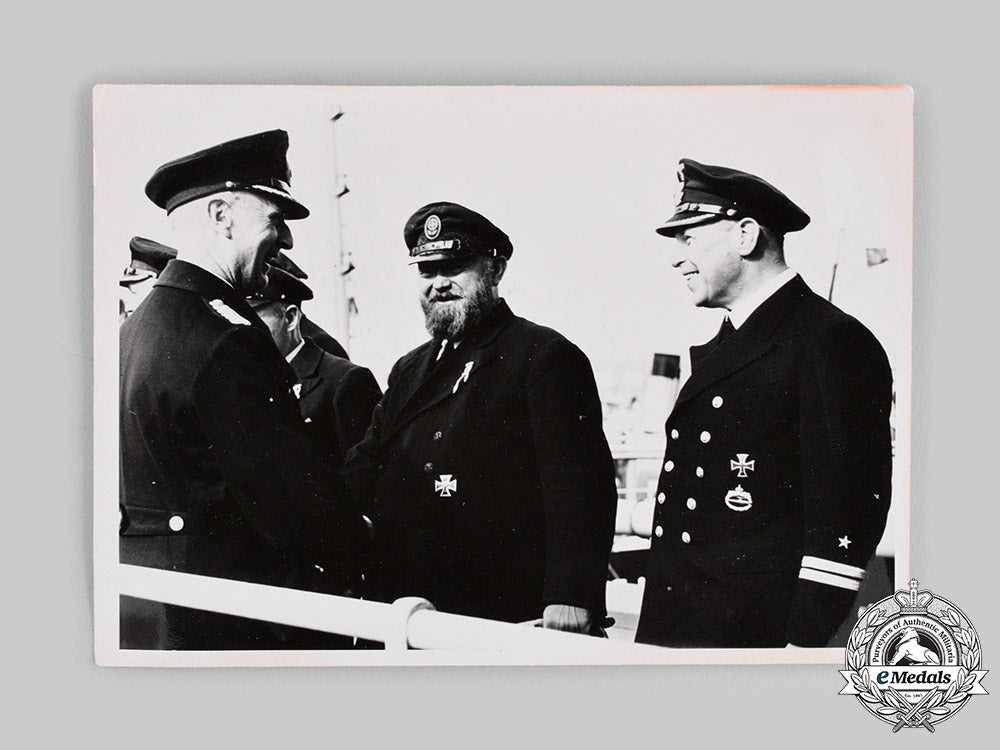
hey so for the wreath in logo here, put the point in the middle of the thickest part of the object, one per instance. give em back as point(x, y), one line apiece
point(936, 704)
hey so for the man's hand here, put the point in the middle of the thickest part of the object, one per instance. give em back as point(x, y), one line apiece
point(566, 617)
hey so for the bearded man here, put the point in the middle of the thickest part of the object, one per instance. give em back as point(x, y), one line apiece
point(490, 480)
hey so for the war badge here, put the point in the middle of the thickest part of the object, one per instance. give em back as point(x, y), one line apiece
point(739, 499)
point(446, 485)
point(742, 464)
point(913, 660)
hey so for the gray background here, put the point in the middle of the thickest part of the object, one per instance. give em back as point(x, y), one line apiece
point(55, 695)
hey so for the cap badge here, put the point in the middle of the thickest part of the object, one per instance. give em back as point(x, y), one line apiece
point(679, 192)
point(739, 499)
point(445, 485)
point(432, 227)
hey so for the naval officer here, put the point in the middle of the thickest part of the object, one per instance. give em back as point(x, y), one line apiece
point(492, 482)
point(309, 329)
point(336, 396)
point(218, 476)
point(775, 484)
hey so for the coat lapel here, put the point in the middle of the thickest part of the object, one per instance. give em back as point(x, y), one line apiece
point(712, 362)
point(307, 370)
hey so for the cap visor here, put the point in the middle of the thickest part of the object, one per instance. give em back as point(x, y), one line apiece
point(431, 257)
point(292, 208)
point(685, 219)
point(136, 278)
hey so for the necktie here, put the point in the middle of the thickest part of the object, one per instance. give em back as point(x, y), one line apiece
point(444, 345)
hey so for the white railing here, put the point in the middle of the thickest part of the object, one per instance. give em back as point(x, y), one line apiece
point(409, 623)
point(635, 516)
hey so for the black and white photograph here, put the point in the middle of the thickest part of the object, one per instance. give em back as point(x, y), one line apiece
point(499, 375)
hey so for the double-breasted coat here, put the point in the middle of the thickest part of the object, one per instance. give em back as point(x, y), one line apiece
point(776, 481)
point(218, 476)
point(491, 481)
point(336, 398)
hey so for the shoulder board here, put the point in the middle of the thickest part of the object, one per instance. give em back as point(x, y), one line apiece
point(225, 311)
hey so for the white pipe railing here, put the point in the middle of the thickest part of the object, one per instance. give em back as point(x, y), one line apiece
point(635, 517)
point(407, 623)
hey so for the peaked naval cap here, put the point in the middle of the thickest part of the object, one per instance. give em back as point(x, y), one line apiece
point(442, 231)
point(255, 163)
point(285, 263)
point(282, 287)
point(707, 193)
point(149, 258)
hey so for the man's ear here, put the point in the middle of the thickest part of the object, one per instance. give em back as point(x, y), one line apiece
point(499, 268)
point(749, 231)
point(220, 214)
point(293, 316)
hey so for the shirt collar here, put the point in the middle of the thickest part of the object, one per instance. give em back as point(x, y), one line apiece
point(291, 355)
point(745, 307)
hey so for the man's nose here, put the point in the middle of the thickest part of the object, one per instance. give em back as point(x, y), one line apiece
point(675, 254)
point(284, 237)
point(441, 282)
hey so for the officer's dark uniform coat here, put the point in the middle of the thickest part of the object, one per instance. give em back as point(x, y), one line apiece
point(776, 481)
point(336, 398)
point(217, 473)
point(322, 339)
point(492, 481)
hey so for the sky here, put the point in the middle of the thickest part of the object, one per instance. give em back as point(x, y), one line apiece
point(579, 177)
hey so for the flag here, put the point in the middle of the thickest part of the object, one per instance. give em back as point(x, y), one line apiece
point(876, 255)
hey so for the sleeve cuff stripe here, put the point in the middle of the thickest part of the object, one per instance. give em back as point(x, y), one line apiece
point(832, 567)
point(829, 579)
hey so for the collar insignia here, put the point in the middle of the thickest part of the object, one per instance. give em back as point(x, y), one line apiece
point(225, 311)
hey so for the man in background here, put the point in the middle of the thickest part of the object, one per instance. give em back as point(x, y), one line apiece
point(309, 329)
point(336, 397)
point(149, 258)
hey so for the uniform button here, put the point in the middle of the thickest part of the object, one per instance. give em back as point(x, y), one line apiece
point(270, 400)
point(428, 467)
point(686, 538)
point(674, 434)
point(661, 497)
point(717, 402)
point(706, 436)
point(438, 435)
point(699, 472)
point(692, 503)
point(659, 531)
point(176, 523)
point(668, 466)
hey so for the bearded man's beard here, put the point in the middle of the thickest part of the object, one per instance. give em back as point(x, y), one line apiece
point(453, 319)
